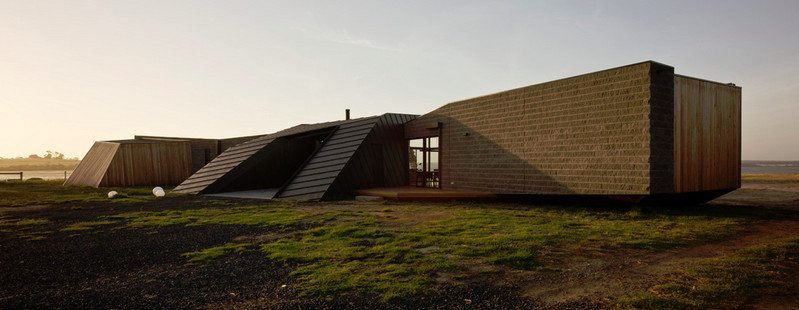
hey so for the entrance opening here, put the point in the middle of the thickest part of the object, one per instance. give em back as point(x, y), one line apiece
point(267, 171)
point(423, 160)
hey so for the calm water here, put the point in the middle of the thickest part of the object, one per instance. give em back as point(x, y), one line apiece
point(771, 170)
point(44, 174)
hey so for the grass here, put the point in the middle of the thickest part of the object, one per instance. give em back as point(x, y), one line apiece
point(724, 281)
point(24, 227)
point(397, 253)
point(357, 256)
point(23, 222)
point(87, 225)
point(398, 249)
point(16, 194)
point(248, 215)
point(209, 254)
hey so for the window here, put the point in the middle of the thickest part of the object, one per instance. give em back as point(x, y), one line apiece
point(423, 161)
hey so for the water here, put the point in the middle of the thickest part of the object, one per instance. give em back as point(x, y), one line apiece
point(769, 170)
point(43, 174)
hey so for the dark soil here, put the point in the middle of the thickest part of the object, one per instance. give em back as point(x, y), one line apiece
point(115, 267)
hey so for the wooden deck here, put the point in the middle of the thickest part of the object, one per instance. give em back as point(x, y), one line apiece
point(422, 193)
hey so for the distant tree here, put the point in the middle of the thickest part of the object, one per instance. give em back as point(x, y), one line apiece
point(34, 156)
point(58, 155)
point(48, 155)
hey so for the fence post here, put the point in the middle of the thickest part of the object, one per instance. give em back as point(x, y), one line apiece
point(20, 175)
point(65, 175)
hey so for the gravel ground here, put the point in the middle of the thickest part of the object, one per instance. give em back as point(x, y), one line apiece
point(113, 267)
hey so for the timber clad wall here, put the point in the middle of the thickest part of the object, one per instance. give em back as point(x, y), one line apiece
point(165, 163)
point(588, 134)
point(92, 167)
point(707, 130)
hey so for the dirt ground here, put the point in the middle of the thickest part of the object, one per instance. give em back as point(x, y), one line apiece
point(123, 268)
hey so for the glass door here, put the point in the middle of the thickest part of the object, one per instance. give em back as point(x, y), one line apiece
point(423, 160)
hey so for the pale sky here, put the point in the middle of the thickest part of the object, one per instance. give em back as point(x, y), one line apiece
point(73, 72)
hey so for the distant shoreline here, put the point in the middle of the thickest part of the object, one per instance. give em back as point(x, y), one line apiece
point(37, 164)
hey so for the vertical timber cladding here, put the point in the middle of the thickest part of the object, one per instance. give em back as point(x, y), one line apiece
point(148, 163)
point(91, 169)
point(588, 134)
point(707, 126)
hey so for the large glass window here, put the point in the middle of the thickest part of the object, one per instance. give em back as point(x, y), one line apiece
point(423, 160)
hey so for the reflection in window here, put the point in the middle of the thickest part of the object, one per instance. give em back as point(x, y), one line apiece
point(423, 160)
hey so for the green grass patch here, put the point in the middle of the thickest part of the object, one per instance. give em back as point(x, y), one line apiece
point(248, 215)
point(209, 254)
point(23, 222)
point(87, 225)
point(15, 194)
point(396, 253)
point(724, 281)
point(357, 256)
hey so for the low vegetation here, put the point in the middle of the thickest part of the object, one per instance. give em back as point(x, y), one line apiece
point(209, 254)
point(14, 194)
point(35, 162)
point(394, 250)
point(248, 215)
point(724, 281)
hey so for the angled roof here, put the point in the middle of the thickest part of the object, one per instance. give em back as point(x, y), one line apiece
point(315, 176)
point(91, 169)
point(236, 155)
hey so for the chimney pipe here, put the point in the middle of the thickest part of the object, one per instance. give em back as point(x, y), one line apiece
point(347, 114)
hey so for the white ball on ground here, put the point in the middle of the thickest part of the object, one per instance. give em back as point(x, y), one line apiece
point(156, 189)
point(159, 193)
point(111, 194)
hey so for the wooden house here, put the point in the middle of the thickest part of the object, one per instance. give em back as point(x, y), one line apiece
point(634, 132)
point(146, 160)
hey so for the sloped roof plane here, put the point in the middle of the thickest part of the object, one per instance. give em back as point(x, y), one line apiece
point(314, 178)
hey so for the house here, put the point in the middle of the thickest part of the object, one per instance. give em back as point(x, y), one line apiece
point(634, 132)
point(146, 160)
point(638, 131)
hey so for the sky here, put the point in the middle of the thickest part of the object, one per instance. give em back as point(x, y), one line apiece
point(73, 72)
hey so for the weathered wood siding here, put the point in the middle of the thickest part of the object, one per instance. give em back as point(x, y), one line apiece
point(149, 163)
point(92, 167)
point(707, 139)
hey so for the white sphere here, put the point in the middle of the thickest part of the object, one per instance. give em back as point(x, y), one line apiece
point(111, 194)
point(159, 193)
point(156, 189)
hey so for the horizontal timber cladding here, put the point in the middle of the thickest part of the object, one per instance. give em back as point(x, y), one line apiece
point(92, 167)
point(370, 152)
point(149, 163)
point(589, 134)
point(225, 144)
point(381, 161)
point(707, 126)
point(236, 155)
